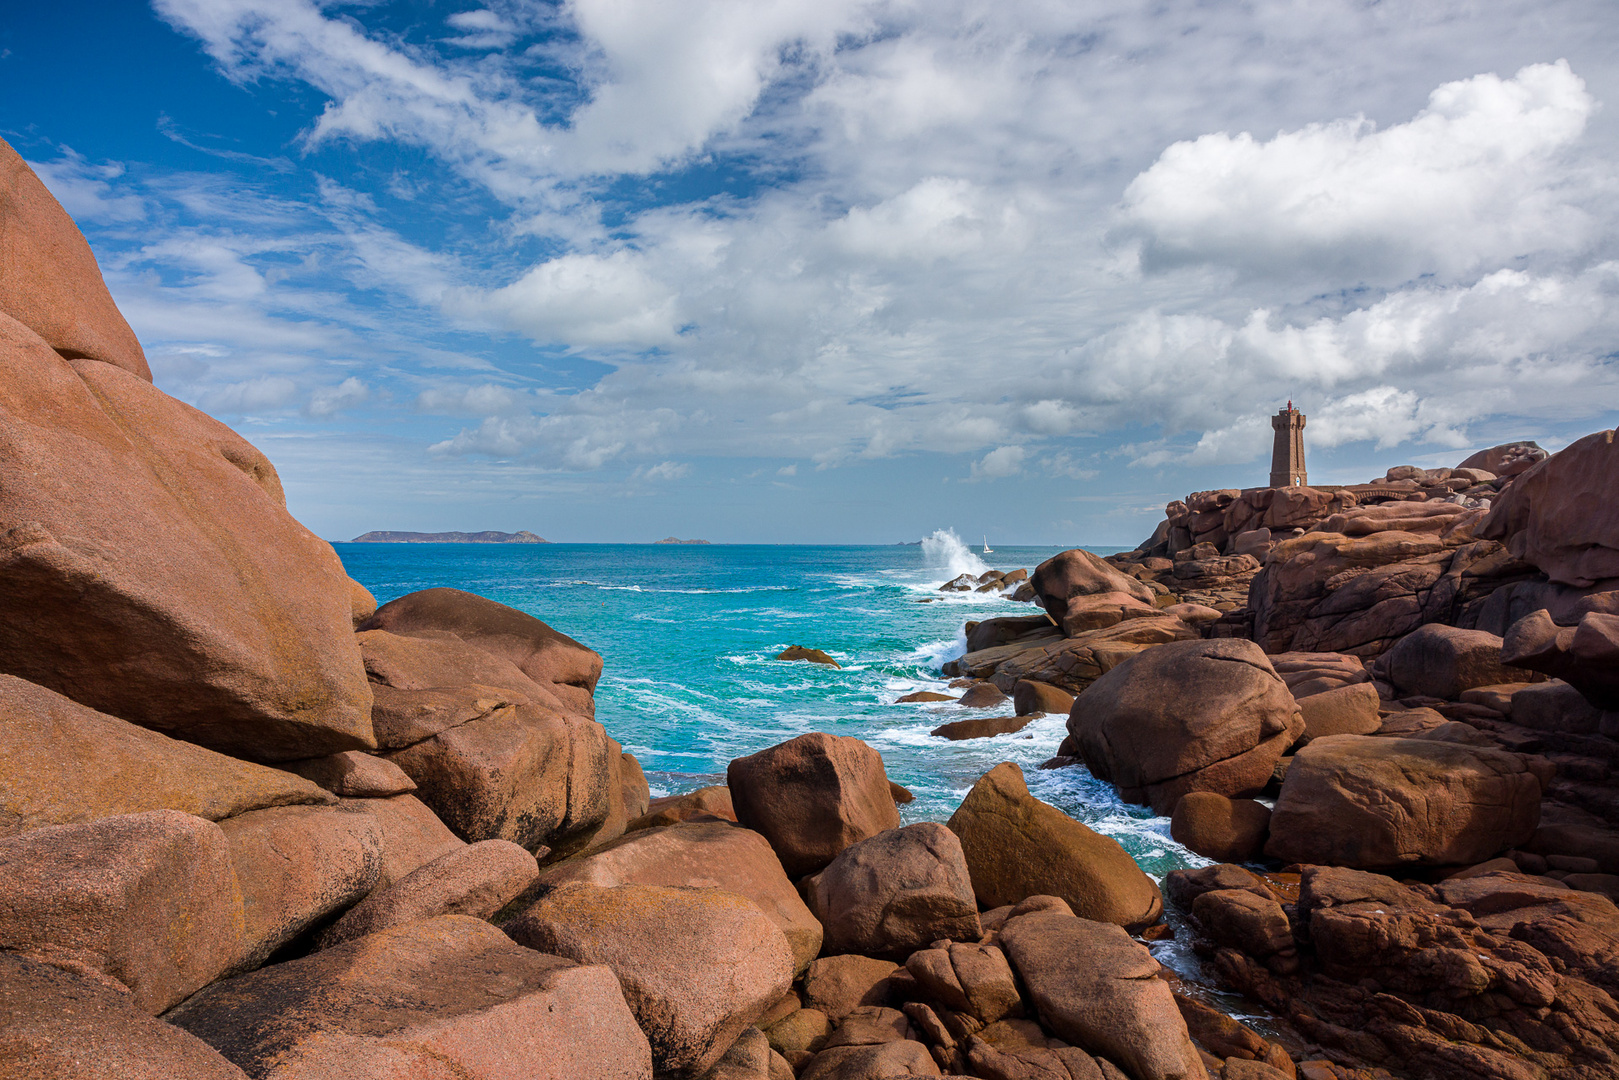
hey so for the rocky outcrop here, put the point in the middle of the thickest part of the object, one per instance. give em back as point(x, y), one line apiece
point(697, 965)
point(410, 835)
point(1215, 827)
point(450, 996)
point(296, 867)
point(812, 796)
point(1368, 801)
point(895, 892)
point(66, 1027)
point(61, 762)
point(1560, 515)
point(49, 280)
point(1066, 584)
point(1348, 710)
point(477, 881)
point(1478, 976)
point(496, 753)
point(1586, 655)
point(1443, 661)
point(1186, 716)
point(1074, 663)
point(148, 568)
point(1017, 846)
point(146, 903)
point(552, 659)
point(710, 855)
point(1095, 988)
point(354, 774)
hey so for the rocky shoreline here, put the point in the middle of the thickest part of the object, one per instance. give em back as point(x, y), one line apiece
point(254, 825)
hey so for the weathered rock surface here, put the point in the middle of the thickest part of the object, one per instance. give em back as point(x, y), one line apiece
point(1585, 655)
point(552, 659)
point(49, 280)
point(981, 696)
point(981, 727)
point(296, 866)
point(1508, 459)
point(354, 775)
point(892, 1059)
point(1560, 515)
point(1017, 846)
point(894, 893)
point(747, 1059)
point(1073, 664)
point(1373, 801)
point(61, 1026)
point(1348, 710)
point(1442, 661)
point(477, 881)
point(147, 900)
point(835, 986)
point(1307, 673)
point(812, 796)
point(1095, 988)
point(450, 997)
point(1068, 579)
point(708, 855)
point(1186, 716)
point(1030, 697)
point(704, 804)
point(410, 835)
point(813, 656)
point(968, 978)
point(61, 762)
point(697, 965)
point(148, 568)
point(1226, 830)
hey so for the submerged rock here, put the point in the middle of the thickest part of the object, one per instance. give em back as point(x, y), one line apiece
point(814, 656)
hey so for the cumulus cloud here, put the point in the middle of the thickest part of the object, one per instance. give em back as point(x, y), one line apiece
point(1001, 462)
point(330, 400)
point(1471, 179)
point(840, 232)
point(270, 392)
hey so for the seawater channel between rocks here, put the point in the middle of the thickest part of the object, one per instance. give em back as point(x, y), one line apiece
point(689, 634)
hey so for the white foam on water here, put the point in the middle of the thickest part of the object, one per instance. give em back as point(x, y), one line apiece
point(945, 551)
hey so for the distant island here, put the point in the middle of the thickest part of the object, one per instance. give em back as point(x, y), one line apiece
point(488, 536)
point(673, 540)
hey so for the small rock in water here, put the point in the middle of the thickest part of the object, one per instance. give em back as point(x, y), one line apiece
point(923, 695)
point(814, 656)
point(964, 583)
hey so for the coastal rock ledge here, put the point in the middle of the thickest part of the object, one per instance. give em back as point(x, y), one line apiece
point(254, 825)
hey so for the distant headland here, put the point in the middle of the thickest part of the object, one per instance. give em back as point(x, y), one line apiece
point(674, 540)
point(488, 536)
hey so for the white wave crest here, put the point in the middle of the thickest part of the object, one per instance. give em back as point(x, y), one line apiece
point(945, 551)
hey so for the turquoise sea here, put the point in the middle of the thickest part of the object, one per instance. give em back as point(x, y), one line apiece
point(689, 632)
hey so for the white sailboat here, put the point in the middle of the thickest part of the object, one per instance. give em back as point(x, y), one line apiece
point(987, 549)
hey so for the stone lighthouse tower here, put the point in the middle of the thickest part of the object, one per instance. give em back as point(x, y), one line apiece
point(1287, 459)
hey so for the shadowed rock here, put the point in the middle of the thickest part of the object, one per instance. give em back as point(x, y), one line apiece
point(895, 893)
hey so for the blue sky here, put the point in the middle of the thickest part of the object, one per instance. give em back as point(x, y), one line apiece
point(839, 270)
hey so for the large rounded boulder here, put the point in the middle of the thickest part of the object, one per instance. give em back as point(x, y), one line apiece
point(49, 280)
point(1442, 661)
point(813, 796)
point(1186, 716)
point(1066, 585)
point(1371, 802)
point(1017, 846)
point(895, 893)
point(149, 568)
point(1561, 515)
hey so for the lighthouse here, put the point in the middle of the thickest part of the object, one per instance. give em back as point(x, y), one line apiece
point(1287, 457)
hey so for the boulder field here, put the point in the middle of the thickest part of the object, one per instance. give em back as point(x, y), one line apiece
point(254, 825)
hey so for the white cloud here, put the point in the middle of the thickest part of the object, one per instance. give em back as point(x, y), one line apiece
point(87, 191)
point(269, 392)
point(482, 29)
point(1001, 462)
point(330, 400)
point(1473, 179)
point(664, 470)
point(580, 299)
point(482, 399)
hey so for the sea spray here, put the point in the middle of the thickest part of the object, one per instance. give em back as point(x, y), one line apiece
point(945, 551)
